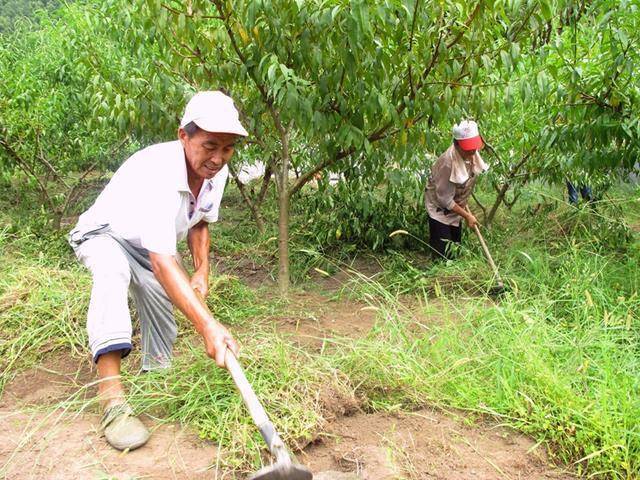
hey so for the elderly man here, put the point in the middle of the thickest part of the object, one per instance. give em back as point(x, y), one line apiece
point(127, 239)
point(453, 177)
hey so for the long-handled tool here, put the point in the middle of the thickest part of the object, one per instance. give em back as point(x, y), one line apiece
point(284, 468)
point(498, 288)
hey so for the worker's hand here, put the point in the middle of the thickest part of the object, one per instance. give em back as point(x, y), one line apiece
point(471, 220)
point(216, 341)
point(200, 282)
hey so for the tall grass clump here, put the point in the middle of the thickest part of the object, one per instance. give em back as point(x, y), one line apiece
point(557, 357)
point(42, 310)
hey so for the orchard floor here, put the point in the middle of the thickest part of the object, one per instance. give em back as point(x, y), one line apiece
point(40, 441)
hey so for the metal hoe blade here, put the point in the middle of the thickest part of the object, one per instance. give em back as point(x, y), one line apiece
point(497, 290)
point(282, 472)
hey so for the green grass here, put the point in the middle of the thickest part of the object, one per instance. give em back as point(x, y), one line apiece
point(42, 309)
point(557, 357)
point(196, 392)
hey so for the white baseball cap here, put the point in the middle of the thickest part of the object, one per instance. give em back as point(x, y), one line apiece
point(213, 112)
point(467, 135)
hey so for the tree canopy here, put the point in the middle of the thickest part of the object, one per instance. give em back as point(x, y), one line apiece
point(367, 89)
point(12, 11)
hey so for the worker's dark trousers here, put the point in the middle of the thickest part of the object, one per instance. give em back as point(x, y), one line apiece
point(440, 235)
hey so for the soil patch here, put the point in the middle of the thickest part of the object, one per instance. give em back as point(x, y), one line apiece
point(360, 268)
point(58, 377)
point(426, 445)
point(67, 446)
point(314, 320)
point(58, 444)
point(252, 274)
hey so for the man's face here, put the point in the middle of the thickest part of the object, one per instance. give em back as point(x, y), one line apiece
point(207, 152)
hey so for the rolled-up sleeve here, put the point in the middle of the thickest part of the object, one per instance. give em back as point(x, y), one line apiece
point(445, 190)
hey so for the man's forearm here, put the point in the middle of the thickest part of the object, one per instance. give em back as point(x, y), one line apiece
point(176, 284)
point(199, 243)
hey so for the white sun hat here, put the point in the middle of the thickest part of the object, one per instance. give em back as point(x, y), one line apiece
point(467, 135)
point(213, 111)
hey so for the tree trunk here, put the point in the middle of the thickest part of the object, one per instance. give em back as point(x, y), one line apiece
point(283, 221)
point(501, 193)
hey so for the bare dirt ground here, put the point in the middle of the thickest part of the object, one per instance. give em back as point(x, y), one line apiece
point(67, 446)
point(427, 444)
point(47, 443)
point(43, 441)
point(312, 319)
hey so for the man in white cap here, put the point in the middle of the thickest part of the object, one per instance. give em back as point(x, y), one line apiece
point(127, 239)
point(450, 185)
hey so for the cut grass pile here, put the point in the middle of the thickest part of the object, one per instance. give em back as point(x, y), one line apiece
point(289, 382)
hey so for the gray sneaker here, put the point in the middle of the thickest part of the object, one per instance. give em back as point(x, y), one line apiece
point(122, 429)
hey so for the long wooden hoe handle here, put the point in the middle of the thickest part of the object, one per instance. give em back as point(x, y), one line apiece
point(257, 412)
point(487, 254)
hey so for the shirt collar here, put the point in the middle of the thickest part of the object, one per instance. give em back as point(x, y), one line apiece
point(476, 161)
point(461, 168)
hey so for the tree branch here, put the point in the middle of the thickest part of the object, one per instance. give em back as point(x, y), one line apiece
point(506, 185)
point(245, 196)
point(40, 156)
point(28, 170)
point(467, 24)
point(85, 174)
point(482, 207)
point(266, 180)
point(413, 28)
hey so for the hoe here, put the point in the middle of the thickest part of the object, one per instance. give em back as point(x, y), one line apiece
point(284, 468)
point(499, 287)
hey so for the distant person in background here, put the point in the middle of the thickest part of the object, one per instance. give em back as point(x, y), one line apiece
point(634, 174)
point(453, 177)
point(585, 191)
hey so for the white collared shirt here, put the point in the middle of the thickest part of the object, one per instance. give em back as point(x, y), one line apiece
point(148, 201)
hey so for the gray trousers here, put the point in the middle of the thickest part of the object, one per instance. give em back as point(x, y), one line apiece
point(117, 267)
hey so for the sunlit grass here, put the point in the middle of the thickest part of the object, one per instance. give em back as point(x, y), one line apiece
point(556, 357)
